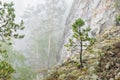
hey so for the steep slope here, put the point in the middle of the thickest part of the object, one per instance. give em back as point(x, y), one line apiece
point(101, 61)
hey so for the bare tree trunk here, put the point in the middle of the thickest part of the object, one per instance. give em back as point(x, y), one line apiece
point(81, 62)
point(50, 31)
point(49, 48)
point(81, 49)
point(37, 49)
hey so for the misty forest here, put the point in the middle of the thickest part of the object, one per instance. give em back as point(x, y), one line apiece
point(59, 39)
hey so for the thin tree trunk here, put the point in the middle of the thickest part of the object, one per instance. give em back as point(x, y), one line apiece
point(50, 32)
point(49, 48)
point(81, 62)
point(36, 49)
point(81, 47)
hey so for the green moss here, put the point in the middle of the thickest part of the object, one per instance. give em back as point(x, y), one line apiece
point(76, 73)
point(62, 77)
point(71, 77)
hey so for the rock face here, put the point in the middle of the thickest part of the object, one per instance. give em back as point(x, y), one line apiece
point(97, 14)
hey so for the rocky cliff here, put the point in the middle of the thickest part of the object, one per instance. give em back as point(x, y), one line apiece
point(97, 14)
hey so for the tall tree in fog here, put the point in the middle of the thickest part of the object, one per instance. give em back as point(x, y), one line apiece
point(54, 14)
point(45, 21)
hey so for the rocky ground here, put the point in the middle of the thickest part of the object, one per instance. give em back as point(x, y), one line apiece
point(101, 61)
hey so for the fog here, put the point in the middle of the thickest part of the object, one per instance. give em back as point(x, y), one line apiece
point(20, 6)
point(44, 22)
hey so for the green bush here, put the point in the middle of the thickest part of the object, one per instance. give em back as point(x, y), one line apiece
point(5, 70)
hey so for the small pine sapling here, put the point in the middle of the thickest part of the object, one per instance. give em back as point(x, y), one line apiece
point(80, 39)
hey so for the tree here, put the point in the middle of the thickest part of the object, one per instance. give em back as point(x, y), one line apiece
point(80, 39)
point(8, 31)
point(47, 30)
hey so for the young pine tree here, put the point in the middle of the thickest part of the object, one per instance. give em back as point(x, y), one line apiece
point(80, 39)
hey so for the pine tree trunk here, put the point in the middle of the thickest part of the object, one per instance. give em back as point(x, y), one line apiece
point(49, 48)
point(81, 62)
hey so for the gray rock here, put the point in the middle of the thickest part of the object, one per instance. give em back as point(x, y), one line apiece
point(97, 14)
